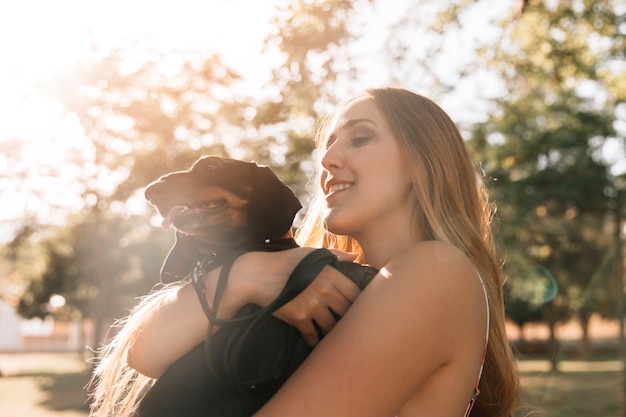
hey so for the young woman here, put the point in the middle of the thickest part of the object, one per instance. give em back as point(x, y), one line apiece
point(426, 337)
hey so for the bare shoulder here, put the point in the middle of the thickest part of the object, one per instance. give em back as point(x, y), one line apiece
point(428, 260)
point(406, 340)
point(437, 286)
point(430, 285)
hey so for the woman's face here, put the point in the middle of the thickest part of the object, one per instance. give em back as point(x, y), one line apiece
point(365, 178)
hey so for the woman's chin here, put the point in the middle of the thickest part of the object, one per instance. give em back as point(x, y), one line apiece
point(337, 223)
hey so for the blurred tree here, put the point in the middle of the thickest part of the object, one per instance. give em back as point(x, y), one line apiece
point(546, 147)
point(145, 113)
point(129, 254)
point(550, 191)
point(20, 261)
point(312, 40)
point(552, 81)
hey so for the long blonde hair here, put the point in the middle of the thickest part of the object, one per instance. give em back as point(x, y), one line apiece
point(115, 389)
point(452, 206)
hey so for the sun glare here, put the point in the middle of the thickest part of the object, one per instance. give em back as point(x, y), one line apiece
point(40, 38)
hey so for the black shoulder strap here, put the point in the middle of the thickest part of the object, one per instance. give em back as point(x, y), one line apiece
point(303, 274)
point(239, 328)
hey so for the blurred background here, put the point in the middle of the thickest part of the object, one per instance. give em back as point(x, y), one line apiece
point(97, 99)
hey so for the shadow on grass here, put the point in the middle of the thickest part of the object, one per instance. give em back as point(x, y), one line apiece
point(572, 394)
point(61, 392)
point(65, 392)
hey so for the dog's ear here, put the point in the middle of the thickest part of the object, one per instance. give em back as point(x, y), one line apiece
point(272, 206)
point(181, 259)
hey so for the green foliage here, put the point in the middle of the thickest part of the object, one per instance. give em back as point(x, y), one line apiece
point(81, 262)
point(144, 114)
point(312, 36)
point(543, 147)
point(543, 144)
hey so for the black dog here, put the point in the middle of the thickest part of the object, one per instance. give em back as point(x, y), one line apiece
point(220, 208)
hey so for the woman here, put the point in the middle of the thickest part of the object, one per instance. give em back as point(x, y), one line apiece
point(398, 189)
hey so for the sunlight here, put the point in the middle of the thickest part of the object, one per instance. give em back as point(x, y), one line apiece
point(39, 39)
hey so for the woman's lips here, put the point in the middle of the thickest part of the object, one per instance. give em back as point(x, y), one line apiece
point(337, 187)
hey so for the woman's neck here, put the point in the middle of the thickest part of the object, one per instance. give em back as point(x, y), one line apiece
point(379, 249)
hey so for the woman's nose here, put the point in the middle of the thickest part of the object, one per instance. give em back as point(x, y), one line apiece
point(331, 159)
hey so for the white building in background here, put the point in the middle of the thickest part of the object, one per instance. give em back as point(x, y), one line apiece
point(10, 338)
point(35, 335)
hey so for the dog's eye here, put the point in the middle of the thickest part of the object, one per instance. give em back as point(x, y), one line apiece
point(213, 204)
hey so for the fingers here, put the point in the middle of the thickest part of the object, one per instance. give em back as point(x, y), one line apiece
point(342, 284)
point(302, 313)
point(334, 291)
point(315, 311)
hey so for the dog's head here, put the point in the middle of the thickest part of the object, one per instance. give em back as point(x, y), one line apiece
point(217, 204)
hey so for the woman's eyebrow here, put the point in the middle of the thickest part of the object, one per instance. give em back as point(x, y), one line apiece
point(349, 123)
point(346, 125)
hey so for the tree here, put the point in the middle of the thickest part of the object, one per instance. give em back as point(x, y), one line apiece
point(547, 137)
point(313, 40)
point(146, 114)
point(129, 254)
point(143, 114)
point(556, 109)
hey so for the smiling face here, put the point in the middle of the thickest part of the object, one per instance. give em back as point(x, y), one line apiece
point(365, 177)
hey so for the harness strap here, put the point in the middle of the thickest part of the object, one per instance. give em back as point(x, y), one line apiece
point(225, 364)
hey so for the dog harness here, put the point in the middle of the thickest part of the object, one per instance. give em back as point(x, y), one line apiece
point(482, 364)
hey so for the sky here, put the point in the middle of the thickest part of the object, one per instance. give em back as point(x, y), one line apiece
point(39, 38)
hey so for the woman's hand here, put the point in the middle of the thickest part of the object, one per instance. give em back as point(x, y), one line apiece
point(312, 310)
point(261, 277)
point(255, 278)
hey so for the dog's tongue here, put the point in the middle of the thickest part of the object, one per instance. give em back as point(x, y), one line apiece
point(167, 221)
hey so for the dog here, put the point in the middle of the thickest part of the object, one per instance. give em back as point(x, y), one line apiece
point(220, 207)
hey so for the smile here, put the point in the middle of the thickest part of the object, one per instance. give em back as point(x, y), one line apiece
point(338, 187)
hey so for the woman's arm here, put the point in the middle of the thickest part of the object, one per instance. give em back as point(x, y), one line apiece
point(166, 332)
point(178, 324)
point(411, 344)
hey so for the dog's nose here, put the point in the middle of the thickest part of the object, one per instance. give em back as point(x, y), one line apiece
point(155, 190)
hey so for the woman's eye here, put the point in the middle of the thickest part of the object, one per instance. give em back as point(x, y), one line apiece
point(360, 140)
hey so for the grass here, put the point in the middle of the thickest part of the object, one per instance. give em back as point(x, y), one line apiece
point(43, 385)
point(580, 389)
point(51, 384)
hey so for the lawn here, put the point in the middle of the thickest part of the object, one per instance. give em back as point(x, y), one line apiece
point(43, 385)
point(580, 389)
point(51, 385)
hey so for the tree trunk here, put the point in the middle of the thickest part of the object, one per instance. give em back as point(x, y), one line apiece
point(618, 276)
point(554, 343)
point(585, 345)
